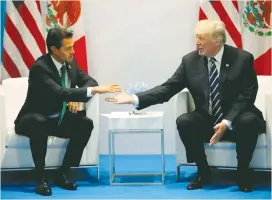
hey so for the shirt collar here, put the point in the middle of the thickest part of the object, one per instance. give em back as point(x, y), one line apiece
point(219, 55)
point(57, 64)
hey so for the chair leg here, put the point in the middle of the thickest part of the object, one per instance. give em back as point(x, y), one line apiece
point(98, 173)
point(178, 173)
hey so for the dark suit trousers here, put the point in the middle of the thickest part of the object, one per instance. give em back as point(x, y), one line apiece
point(195, 128)
point(76, 127)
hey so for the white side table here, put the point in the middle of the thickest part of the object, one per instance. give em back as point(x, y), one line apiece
point(125, 123)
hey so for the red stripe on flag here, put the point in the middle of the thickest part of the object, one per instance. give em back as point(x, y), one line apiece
point(80, 54)
point(233, 32)
point(39, 5)
point(19, 43)
point(235, 3)
point(32, 26)
point(202, 15)
point(9, 65)
point(263, 63)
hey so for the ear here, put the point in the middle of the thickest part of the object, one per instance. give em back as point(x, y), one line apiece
point(53, 49)
point(217, 41)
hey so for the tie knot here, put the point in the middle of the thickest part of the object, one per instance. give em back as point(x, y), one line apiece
point(62, 69)
point(212, 60)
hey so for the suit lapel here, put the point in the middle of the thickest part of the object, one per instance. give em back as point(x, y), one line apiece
point(55, 73)
point(225, 65)
point(70, 73)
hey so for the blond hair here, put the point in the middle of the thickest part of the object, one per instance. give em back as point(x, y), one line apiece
point(215, 28)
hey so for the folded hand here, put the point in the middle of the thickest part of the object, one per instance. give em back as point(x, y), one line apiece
point(74, 107)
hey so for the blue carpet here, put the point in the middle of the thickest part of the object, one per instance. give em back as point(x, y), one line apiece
point(20, 184)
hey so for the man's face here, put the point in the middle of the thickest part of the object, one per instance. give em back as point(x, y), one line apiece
point(206, 45)
point(66, 51)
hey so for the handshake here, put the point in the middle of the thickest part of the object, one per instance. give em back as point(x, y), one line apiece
point(124, 97)
point(121, 98)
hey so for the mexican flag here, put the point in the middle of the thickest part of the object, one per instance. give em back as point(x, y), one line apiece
point(67, 14)
point(256, 33)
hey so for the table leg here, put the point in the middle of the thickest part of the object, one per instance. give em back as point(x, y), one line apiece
point(162, 153)
point(178, 173)
point(113, 153)
point(110, 157)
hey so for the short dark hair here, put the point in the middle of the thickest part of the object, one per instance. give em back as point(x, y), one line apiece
point(55, 37)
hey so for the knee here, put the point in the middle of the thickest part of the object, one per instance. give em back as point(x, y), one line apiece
point(183, 121)
point(31, 123)
point(246, 121)
point(88, 124)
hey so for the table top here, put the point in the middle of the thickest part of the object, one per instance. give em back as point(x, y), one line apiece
point(129, 115)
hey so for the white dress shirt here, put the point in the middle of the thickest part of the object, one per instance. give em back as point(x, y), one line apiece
point(67, 79)
point(59, 66)
point(218, 61)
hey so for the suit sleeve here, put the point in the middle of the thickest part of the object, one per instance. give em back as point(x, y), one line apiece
point(39, 79)
point(84, 80)
point(245, 100)
point(165, 91)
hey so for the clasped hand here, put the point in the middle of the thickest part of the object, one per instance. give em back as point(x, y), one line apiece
point(73, 107)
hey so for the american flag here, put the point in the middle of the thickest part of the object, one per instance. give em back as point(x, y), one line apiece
point(226, 11)
point(23, 36)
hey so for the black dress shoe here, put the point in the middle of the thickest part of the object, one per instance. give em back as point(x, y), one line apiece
point(244, 180)
point(42, 188)
point(199, 181)
point(245, 187)
point(64, 182)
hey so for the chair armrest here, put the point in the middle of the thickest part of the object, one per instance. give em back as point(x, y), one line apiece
point(268, 106)
point(92, 112)
point(3, 130)
point(184, 103)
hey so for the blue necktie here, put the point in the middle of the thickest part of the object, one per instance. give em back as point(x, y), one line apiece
point(215, 93)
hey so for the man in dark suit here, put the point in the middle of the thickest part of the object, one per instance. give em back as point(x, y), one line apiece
point(224, 85)
point(52, 108)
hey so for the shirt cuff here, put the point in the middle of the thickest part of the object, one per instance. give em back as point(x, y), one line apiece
point(136, 101)
point(89, 91)
point(228, 123)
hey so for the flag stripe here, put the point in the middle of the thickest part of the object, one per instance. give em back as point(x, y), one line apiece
point(235, 3)
point(24, 32)
point(15, 55)
point(263, 64)
point(202, 15)
point(233, 32)
point(233, 14)
point(12, 69)
point(36, 15)
point(39, 6)
point(212, 14)
point(81, 53)
point(32, 26)
point(18, 41)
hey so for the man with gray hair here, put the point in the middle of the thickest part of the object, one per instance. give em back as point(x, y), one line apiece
point(223, 84)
